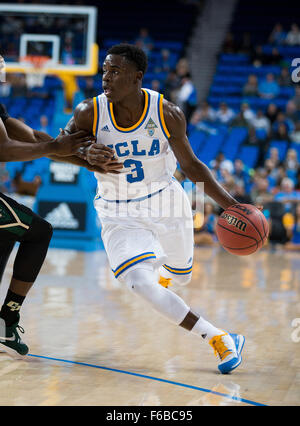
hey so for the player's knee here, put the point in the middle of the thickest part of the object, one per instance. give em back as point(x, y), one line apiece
point(182, 279)
point(140, 281)
point(43, 229)
point(40, 231)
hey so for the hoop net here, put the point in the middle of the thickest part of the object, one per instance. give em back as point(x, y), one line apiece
point(35, 69)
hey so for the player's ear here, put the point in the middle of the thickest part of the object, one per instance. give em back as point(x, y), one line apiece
point(139, 76)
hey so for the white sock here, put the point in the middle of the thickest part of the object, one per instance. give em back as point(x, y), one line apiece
point(205, 329)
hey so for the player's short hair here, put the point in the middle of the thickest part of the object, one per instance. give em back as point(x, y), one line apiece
point(132, 53)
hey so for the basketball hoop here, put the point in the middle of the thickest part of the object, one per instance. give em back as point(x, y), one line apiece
point(35, 69)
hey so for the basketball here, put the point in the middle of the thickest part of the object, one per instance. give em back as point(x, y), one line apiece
point(242, 229)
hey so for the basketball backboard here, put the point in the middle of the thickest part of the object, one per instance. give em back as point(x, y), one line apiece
point(64, 34)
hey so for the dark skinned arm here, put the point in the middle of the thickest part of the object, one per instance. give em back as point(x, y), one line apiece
point(192, 167)
point(97, 155)
point(16, 150)
point(16, 129)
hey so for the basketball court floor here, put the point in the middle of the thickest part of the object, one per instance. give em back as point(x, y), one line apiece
point(93, 343)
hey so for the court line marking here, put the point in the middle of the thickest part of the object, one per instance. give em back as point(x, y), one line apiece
point(246, 401)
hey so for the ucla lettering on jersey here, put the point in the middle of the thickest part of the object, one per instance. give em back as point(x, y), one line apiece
point(149, 163)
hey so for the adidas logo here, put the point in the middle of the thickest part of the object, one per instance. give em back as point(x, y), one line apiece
point(62, 217)
point(105, 129)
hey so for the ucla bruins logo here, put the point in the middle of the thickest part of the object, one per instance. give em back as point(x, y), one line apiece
point(234, 221)
point(151, 126)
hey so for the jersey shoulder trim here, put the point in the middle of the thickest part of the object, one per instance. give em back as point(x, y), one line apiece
point(96, 116)
point(161, 117)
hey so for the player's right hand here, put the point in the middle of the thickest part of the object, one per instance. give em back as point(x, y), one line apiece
point(101, 157)
point(70, 144)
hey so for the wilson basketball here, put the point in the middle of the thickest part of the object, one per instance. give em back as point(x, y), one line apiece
point(242, 229)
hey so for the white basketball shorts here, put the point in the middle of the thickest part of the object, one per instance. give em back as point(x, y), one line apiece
point(156, 229)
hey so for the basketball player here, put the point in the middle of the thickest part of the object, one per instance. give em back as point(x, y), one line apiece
point(19, 223)
point(148, 135)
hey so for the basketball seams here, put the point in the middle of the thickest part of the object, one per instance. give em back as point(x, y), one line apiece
point(263, 225)
point(237, 233)
point(243, 248)
point(249, 220)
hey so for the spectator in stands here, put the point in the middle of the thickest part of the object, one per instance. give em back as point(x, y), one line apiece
point(260, 192)
point(171, 86)
point(90, 91)
point(203, 113)
point(239, 120)
point(241, 174)
point(274, 156)
point(165, 63)
point(252, 138)
point(296, 98)
point(241, 195)
point(293, 229)
point(261, 124)
point(270, 172)
point(244, 117)
point(145, 41)
point(44, 125)
point(187, 96)
point(246, 45)
point(281, 134)
point(268, 88)
point(156, 85)
point(295, 135)
point(282, 119)
point(293, 36)
point(182, 68)
point(258, 57)
point(224, 114)
point(287, 193)
point(219, 163)
point(227, 180)
point(291, 112)
point(204, 226)
point(275, 58)
point(251, 87)
point(272, 111)
point(278, 35)
point(229, 45)
point(284, 79)
point(291, 164)
point(248, 113)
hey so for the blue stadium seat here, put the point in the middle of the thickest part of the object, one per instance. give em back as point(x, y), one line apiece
point(249, 155)
point(211, 147)
point(236, 137)
point(197, 139)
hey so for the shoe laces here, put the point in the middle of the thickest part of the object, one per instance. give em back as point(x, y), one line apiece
point(21, 329)
point(219, 346)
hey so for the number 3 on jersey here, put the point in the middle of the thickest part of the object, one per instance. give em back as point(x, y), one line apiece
point(137, 172)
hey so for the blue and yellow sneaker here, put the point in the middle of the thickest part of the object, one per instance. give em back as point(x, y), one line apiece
point(10, 340)
point(229, 348)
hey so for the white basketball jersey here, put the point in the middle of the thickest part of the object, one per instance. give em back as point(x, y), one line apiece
point(149, 163)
